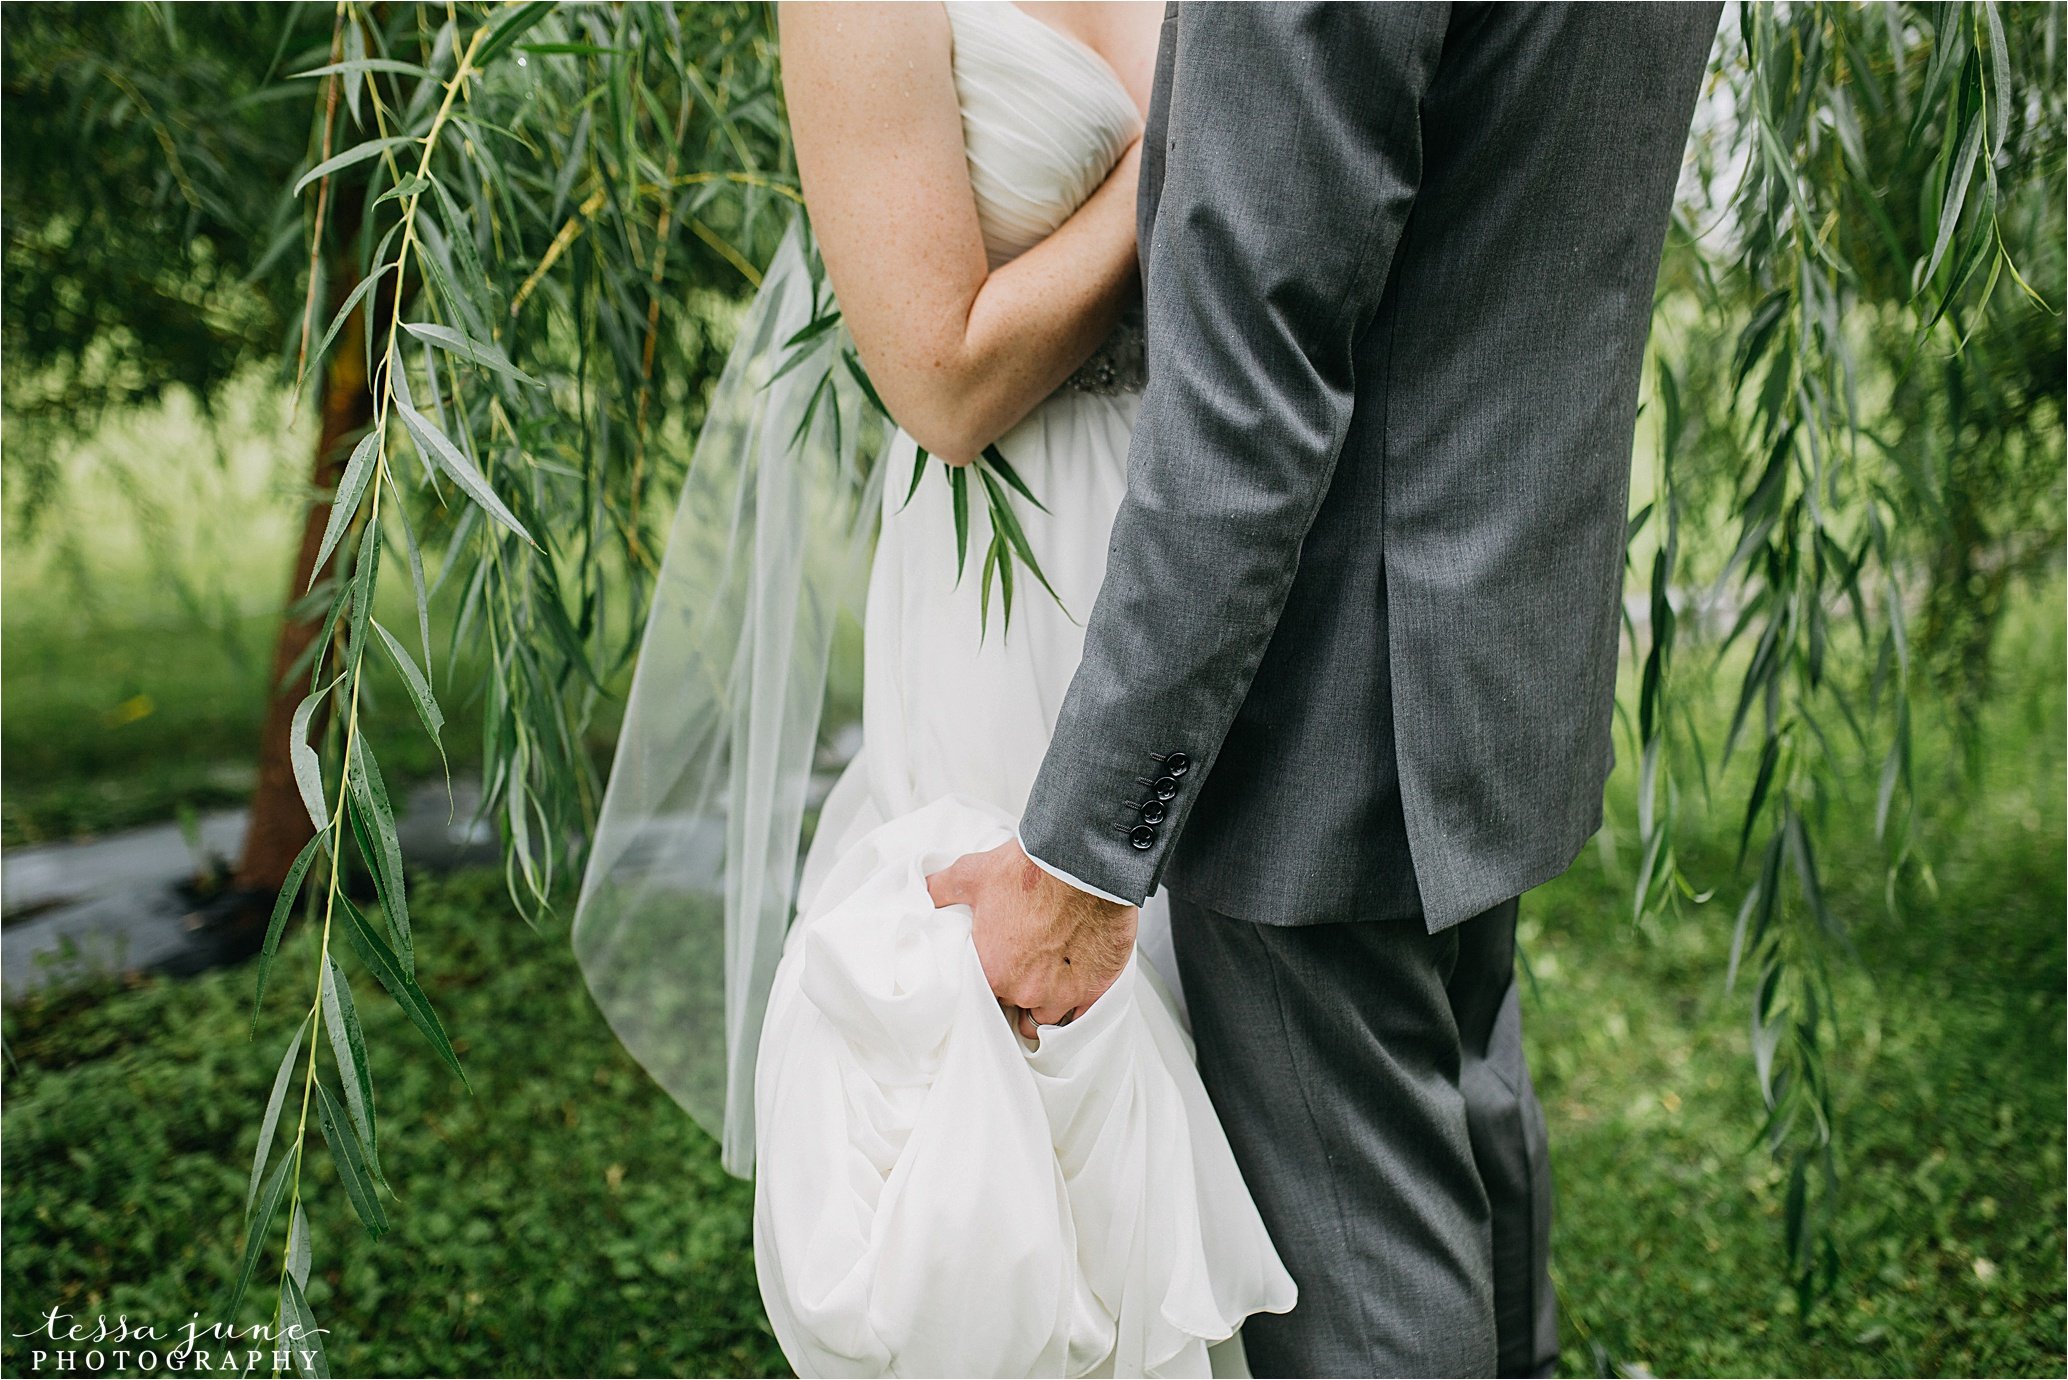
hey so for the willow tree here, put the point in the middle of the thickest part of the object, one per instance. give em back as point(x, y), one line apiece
point(147, 247)
point(1858, 388)
point(558, 207)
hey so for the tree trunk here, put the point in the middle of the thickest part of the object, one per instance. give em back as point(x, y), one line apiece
point(279, 824)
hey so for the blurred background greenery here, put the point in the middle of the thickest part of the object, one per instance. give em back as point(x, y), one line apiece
point(159, 484)
point(568, 1219)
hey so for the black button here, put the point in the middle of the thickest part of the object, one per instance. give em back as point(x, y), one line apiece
point(1152, 812)
point(1142, 837)
point(1164, 787)
point(1177, 764)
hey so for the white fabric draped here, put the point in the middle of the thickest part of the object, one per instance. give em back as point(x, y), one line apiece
point(1043, 122)
point(934, 1196)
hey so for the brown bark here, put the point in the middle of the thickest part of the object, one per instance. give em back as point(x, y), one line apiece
point(279, 825)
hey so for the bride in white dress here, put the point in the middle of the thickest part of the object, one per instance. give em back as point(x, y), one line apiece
point(937, 1193)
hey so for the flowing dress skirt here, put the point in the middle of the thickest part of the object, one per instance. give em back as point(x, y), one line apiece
point(935, 1195)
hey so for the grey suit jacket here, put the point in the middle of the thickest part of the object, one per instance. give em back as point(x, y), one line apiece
point(1356, 649)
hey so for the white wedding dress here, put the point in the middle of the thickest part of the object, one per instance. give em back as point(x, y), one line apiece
point(934, 1196)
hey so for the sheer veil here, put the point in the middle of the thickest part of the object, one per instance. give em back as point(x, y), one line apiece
point(692, 875)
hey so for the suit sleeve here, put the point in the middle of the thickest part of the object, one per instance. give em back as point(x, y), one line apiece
point(1292, 153)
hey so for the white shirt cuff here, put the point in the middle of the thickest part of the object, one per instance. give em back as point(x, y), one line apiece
point(1062, 876)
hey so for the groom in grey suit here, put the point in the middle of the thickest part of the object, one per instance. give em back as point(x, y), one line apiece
point(1346, 692)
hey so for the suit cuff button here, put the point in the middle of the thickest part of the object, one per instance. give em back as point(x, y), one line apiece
point(1142, 837)
point(1175, 763)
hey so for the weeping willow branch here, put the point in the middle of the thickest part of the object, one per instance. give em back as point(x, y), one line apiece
point(1856, 414)
point(1890, 157)
point(350, 1129)
point(520, 468)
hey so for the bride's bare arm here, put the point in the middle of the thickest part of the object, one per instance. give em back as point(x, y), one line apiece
point(958, 353)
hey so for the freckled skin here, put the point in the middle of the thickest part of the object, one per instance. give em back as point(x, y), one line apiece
point(958, 353)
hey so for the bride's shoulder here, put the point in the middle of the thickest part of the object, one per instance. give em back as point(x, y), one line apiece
point(858, 48)
point(873, 110)
point(872, 105)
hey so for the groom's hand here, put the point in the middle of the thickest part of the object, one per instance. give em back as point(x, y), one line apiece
point(1049, 949)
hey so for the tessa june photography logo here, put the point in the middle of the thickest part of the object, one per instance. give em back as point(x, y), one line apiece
point(66, 1344)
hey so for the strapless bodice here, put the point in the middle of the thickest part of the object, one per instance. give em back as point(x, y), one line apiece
point(1044, 119)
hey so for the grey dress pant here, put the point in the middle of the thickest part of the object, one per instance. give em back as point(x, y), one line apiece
point(1372, 1082)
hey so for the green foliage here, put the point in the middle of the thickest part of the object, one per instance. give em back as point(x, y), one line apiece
point(548, 210)
point(568, 1219)
point(139, 620)
point(591, 178)
point(147, 244)
point(549, 144)
point(1949, 1084)
point(1858, 402)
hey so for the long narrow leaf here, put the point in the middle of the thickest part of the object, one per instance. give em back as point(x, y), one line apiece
point(283, 904)
point(958, 493)
point(511, 25)
point(343, 314)
point(366, 569)
point(315, 658)
point(360, 66)
point(308, 769)
point(996, 459)
point(1956, 196)
point(1999, 75)
point(358, 153)
point(349, 1157)
point(861, 378)
point(461, 470)
point(298, 1253)
point(304, 1338)
point(412, 185)
point(270, 1123)
point(413, 680)
point(351, 488)
point(467, 348)
point(348, 1048)
point(416, 581)
point(990, 573)
point(461, 237)
point(377, 812)
point(261, 1217)
point(1007, 522)
point(380, 960)
point(919, 458)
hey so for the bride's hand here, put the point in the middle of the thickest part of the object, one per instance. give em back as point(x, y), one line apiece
point(1048, 949)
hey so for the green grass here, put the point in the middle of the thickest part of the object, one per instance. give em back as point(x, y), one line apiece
point(566, 1218)
point(1949, 1088)
point(141, 607)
